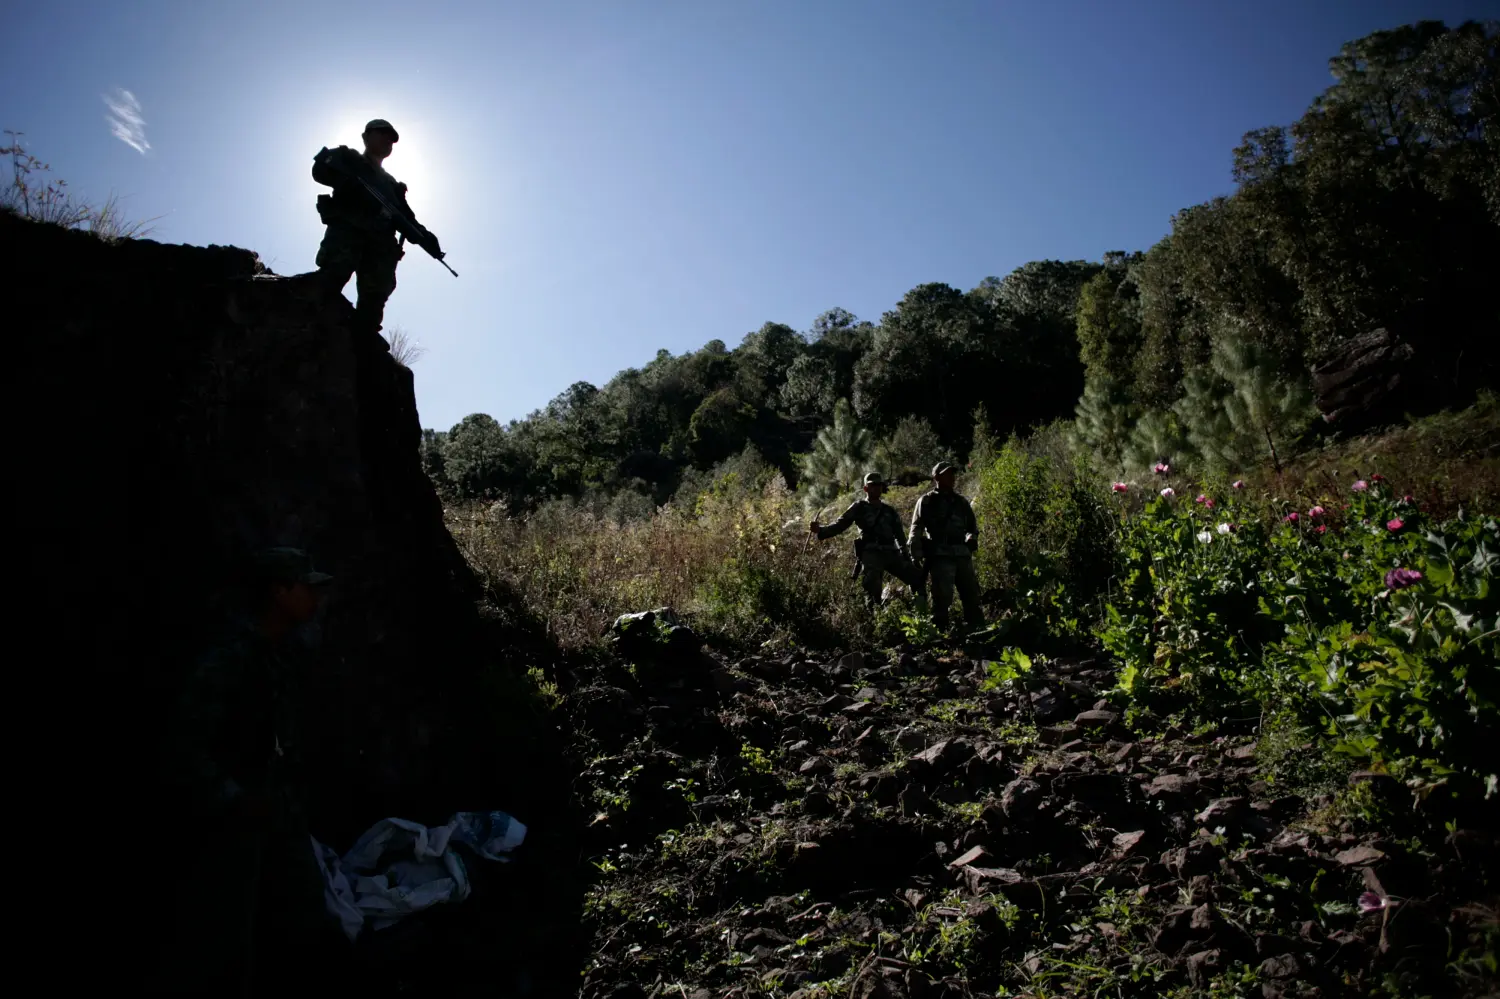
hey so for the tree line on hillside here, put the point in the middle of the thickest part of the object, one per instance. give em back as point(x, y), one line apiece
point(1379, 207)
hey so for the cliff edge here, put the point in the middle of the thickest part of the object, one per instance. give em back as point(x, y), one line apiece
point(189, 406)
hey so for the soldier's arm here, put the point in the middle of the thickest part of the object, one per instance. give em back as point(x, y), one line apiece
point(203, 711)
point(838, 526)
point(406, 205)
point(914, 539)
point(900, 532)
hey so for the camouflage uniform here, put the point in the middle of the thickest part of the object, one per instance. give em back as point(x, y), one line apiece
point(882, 547)
point(249, 887)
point(361, 237)
point(945, 533)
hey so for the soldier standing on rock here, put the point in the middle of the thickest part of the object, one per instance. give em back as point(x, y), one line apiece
point(945, 533)
point(881, 548)
point(250, 911)
point(361, 237)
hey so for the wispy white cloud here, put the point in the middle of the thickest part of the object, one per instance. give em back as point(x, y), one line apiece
point(126, 121)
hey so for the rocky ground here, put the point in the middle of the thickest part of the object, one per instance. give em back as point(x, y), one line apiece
point(907, 825)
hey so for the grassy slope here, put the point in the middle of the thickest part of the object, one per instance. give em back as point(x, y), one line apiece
point(755, 831)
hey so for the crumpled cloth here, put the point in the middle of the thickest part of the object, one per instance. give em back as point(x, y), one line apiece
point(398, 867)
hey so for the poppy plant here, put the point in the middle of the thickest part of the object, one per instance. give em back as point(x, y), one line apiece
point(1394, 525)
point(1119, 487)
point(1400, 579)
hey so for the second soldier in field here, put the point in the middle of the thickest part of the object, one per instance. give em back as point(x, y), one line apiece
point(945, 534)
point(881, 547)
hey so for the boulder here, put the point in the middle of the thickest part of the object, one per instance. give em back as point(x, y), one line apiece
point(1361, 381)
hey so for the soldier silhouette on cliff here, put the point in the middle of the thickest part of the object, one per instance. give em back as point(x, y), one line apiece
point(363, 216)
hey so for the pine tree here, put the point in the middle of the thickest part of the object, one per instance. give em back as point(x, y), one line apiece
point(1157, 437)
point(1200, 412)
point(984, 448)
point(1264, 406)
point(840, 457)
point(1104, 418)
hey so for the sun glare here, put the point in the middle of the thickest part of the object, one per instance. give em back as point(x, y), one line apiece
point(408, 162)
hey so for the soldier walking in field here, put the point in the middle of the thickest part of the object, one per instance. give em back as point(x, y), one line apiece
point(364, 214)
point(881, 548)
point(945, 534)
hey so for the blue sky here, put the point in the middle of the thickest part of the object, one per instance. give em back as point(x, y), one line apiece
point(611, 178)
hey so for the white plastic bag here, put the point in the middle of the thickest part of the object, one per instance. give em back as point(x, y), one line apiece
point(399, 867)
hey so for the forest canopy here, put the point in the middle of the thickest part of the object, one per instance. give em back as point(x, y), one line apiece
point(1379, 208)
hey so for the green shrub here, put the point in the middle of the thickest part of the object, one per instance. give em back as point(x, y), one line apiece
point(1042, 524)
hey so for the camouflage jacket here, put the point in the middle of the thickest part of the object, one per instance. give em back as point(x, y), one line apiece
point(350, 203)
point(879, 524)
point(234, 729)
point(946, 522)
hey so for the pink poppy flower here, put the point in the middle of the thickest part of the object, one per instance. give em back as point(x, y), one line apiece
point(1316, 511)
point(1407, 499)
point(1200, 498)
point(1395, 525)
point(1208, 503)
point(1168, 493)
point(1237, 484)
point(1377, 477)
point(1400, 579)
point(1322, 528)
point(1119, 487)
point(1292, 517)
point(1360, 486)
point(1161, 468)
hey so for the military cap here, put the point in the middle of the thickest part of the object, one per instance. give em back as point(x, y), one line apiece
point(943, 466)
point(874, 479)
point(381, 125)
point(288, 565)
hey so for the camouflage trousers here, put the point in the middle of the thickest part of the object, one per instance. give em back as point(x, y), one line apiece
point(370, 257)
point(250, 917)
point(949, 571)
point(879, 561)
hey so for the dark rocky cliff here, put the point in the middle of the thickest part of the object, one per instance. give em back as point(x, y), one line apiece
point(186, 406)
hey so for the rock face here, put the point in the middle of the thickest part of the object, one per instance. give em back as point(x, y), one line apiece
point(185, 406)
point(1363, 381)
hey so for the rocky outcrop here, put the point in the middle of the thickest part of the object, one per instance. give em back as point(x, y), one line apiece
point(1361, 383)
point(183, 405)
